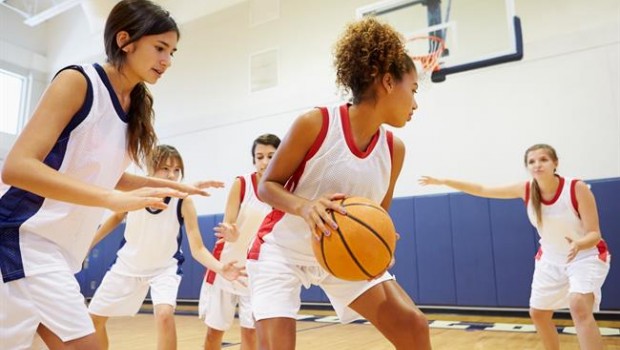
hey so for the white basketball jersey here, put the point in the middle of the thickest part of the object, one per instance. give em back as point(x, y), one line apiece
point(39, 235)
point(560, 219)
point(333, 165)
point(252, 212)
point(152, 241)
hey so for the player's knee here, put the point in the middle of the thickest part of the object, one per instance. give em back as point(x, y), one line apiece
point(580, 307)
point(419, 322)
point(539, 315)
point(416, 320)
point(164, 315)
point(98, 321)
point(214, 335)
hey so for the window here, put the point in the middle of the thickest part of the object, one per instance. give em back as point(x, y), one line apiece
point(12, 98)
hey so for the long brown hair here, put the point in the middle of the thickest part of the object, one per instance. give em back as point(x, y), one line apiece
point(138, 18)
point(535, 194)
point(365, 52)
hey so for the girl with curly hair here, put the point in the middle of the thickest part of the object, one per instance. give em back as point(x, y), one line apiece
point(330, 153)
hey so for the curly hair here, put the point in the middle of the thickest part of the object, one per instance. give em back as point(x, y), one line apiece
point(367, 50)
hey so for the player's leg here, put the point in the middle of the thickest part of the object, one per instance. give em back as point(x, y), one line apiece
point(388, 307)
point(53, 342)
point(383, 303)
point(549, 292)
point(217, 308)
point(65, 323)
point(100, 330)
point(586, 278)
point(166, 327)
point(19, 317)
point(213, 339)
point(545, 327)
point(117, 295)
point(246, 321)
point(588, 333)
point(164, 290)
point(275, 289)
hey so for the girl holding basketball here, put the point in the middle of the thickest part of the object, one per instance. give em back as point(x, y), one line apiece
point(573, 261)
point(242, 218)
point(150, 257)
point(330, 153)
point(63, 170)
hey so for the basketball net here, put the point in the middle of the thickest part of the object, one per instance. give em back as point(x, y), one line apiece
point(427, 63)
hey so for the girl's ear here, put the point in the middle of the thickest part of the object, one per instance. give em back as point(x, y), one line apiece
point(388, 82)
point(122, 38)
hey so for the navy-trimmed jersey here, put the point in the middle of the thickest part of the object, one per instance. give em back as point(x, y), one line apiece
point(39, 235)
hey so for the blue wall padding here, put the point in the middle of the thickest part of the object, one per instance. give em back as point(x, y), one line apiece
point(472, 248)
point(406, 267)
point(514, 247)
point(432, 227)
point(454, 250)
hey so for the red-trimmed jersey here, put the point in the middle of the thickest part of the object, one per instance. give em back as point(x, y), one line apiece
point(332, 165)
point(560, 219)
point(252, 211)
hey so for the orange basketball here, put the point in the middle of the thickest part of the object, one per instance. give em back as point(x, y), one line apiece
point(363, 245)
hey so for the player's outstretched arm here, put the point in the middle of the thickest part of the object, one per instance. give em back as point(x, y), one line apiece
point(500, 192)
point(108, 226)
point(130, 182)
point(227, 229)
point(198, 249)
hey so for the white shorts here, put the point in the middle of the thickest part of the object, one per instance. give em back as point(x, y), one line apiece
point(52, 299)
point(276, 288)
point(217, 307)
point(120, 295)
point(552, 284)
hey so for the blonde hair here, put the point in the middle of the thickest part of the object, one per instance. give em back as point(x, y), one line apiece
point(160, 155)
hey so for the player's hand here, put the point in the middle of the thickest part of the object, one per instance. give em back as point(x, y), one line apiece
point(197, 188)
point(316, 213)
point(573, 249)
point(153, 197)
point(208, 184)
point(232, 272)
point(226, 232)
point(428, 180)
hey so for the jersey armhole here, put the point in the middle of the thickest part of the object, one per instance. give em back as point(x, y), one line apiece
point(180, 212)
point(390, 141)
point(242, 189)
point(573, 196)
point(321, 136)
point(82, 113)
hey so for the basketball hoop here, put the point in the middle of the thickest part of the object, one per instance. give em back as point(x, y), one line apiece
point(434, 45)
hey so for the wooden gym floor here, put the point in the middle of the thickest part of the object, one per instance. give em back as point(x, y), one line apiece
point(448, 331)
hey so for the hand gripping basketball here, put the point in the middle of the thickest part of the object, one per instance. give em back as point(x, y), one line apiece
point(362, 247)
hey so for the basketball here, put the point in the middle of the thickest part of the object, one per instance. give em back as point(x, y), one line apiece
point(363, 245)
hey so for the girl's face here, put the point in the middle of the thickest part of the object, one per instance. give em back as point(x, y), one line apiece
point(402, 100)
point(170, 169)
point(540, 164)
point(262, 157)
point(151, 55)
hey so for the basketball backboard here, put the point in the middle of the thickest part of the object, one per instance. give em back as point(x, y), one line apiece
point(476, 33)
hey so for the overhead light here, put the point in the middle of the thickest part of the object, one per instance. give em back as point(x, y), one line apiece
point(51, 12)
point(39, 11)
